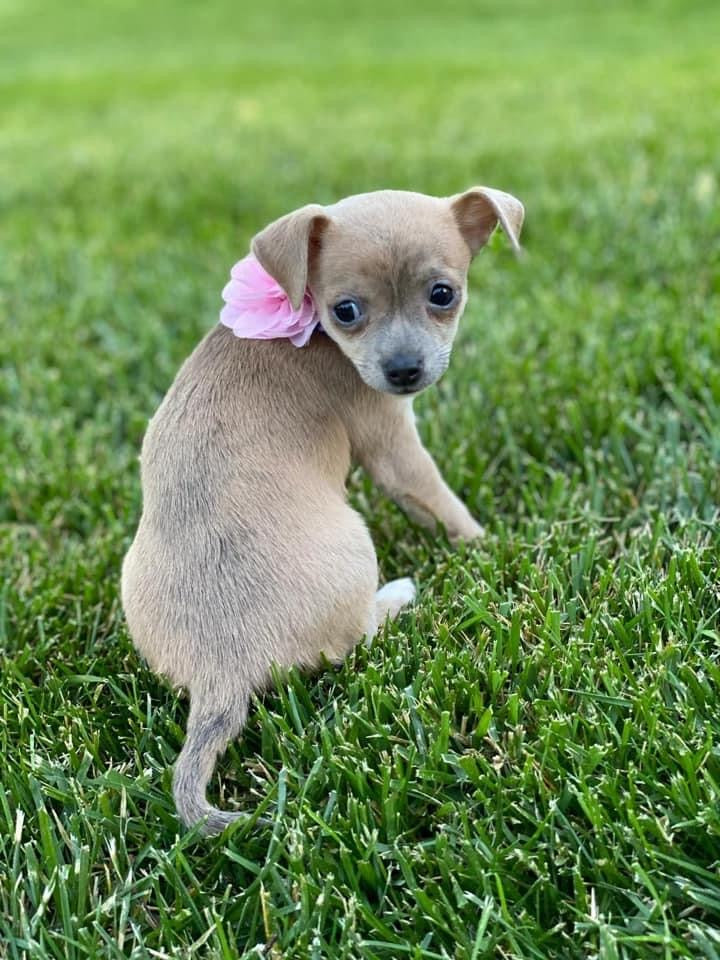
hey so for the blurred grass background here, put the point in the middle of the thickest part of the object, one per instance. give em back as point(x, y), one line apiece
point(526, 766)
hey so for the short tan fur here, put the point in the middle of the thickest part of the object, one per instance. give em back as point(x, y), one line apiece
point(247, 554)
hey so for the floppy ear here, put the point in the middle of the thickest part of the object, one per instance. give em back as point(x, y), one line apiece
point(478, 211)
point(284, 248)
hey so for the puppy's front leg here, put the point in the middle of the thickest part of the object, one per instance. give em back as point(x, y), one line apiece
point(395, 458)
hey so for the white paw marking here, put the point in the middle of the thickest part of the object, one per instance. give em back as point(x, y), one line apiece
point(395, 595)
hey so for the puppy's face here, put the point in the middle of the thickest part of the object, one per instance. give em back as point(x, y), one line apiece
point(388, 274)
point(389, 282)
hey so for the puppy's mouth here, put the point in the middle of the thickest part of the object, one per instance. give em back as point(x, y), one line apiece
point(402, 386)
point(405, 391)
point(384, 385)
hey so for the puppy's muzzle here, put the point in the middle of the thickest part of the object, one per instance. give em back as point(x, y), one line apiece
point(403, 371)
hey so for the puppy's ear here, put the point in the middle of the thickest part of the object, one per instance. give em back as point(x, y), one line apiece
point(478, 211)
point(285, 248)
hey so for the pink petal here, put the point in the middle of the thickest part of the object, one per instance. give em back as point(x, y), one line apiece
point(249, 272)
point(300, 339)
point(257, 307)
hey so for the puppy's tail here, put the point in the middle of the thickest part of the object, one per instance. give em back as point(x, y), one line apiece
point(210, 728)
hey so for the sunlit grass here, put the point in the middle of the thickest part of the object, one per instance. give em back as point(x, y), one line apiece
point(527, 764)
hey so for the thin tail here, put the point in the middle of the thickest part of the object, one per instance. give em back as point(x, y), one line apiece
point(210, 729)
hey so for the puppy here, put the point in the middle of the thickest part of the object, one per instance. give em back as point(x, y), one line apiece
point(247, 553)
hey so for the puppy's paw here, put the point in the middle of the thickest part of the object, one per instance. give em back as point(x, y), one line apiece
point(468, 533)
point(390, 599)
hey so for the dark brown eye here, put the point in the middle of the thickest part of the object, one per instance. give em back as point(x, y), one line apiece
point(347, 312)
point(441, 295)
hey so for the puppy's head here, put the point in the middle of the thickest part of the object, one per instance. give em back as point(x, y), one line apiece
point(388, 274)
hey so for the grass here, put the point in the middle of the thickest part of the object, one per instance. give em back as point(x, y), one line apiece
point(525, 766)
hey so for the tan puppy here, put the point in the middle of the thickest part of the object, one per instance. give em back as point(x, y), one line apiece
point(247, 553)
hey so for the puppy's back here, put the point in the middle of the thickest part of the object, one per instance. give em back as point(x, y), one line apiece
point(247, 453)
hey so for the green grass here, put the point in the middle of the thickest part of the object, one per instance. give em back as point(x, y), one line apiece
point(528, 764)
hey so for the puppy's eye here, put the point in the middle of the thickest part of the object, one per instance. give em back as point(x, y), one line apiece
point(441, 295)
point(347, 312)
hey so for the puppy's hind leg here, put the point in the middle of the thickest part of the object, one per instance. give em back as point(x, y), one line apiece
point(389, 601)
point(211, 726)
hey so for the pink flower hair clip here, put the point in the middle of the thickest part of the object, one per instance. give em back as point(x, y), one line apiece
point(257, 307)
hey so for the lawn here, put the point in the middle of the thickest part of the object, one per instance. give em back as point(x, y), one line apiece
point(527, 765)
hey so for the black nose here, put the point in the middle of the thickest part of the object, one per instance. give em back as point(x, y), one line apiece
point(403, 370)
